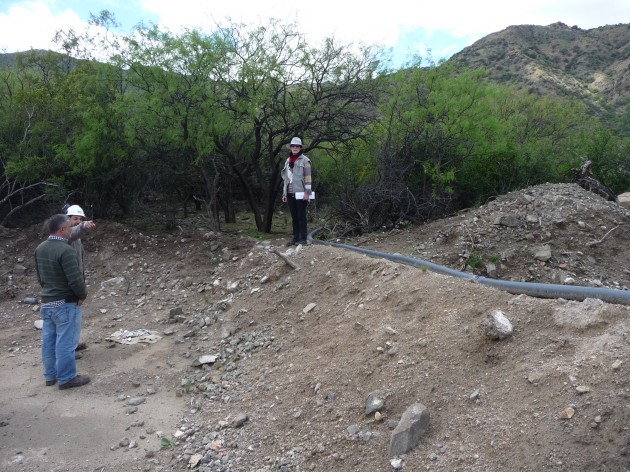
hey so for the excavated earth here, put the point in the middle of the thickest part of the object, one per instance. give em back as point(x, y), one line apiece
point(251, 364)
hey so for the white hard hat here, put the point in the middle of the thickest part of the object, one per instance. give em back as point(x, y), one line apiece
point(75, 210)
point(296, 142)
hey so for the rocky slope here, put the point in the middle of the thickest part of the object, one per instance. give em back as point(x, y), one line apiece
point(260, 366)
point(560, 60)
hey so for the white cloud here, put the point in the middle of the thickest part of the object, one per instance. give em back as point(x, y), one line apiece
point(344, 20)
point(32, 24)
point(382, 23)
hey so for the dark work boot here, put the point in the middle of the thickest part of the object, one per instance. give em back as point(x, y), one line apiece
point(78, 381)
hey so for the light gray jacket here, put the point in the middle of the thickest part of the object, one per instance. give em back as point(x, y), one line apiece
point(75, 241)
point(295, 179)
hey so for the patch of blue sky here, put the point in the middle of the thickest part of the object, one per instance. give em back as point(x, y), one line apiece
point(128, 13)
point(433, 46)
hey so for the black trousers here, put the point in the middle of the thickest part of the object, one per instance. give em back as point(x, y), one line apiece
point(298, 215)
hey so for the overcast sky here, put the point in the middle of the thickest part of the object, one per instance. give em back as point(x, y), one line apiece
point(409, 27)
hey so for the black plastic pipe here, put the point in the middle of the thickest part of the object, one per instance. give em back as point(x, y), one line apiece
point(533, 289)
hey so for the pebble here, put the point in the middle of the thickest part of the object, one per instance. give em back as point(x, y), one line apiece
point(239, 420)
point(308, 308)
point(136, 401)
point(17, 459)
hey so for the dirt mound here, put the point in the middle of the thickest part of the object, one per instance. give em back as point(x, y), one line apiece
point(587, 238)
point(263, 367)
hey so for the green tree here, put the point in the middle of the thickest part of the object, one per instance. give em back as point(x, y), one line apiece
point(447, 139)
point(610, 157)
point(170, 111)
point(36, 102)
point(270, 86)
point(522, 140)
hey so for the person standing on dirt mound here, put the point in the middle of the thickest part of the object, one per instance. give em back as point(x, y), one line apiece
point(63, 292)
point(79, 228)
point(296, 190)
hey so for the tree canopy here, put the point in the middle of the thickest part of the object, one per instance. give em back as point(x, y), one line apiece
point(170, 116)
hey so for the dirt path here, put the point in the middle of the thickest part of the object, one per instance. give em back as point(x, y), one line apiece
point(298, 352)
point(44, 428)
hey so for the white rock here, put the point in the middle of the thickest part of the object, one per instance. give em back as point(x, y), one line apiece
point(309, 307)
point(17, 459)
point(116, 281)
point(624, 199)
point(497, 326)
point(194, 460)
point(209, 359)
point(543, 253)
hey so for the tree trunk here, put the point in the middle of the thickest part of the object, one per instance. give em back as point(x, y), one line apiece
point(211, 202)
point(251, 200)
point(270, 204)
point(227, 202)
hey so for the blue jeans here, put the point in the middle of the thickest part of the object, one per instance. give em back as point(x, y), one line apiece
point(77, 329)
point(58, 338)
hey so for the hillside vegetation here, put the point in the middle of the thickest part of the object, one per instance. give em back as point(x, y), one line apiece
point(591, 66)
point(171, 120)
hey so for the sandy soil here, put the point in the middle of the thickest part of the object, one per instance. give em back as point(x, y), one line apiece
point(291, 356)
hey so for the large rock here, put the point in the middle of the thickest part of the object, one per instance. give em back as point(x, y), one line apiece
point(412, 426)
point(543, 253)
point(497, 326)
point(624, 200)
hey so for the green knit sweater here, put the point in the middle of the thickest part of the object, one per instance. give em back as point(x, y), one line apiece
point(58, 272)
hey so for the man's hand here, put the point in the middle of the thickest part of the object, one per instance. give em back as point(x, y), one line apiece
point(89, 225)
point(284, 198)
point(80, 302)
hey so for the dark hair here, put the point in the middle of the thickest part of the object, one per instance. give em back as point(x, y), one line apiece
point(55, 222)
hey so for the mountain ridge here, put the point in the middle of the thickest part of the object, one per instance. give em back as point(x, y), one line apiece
point(590, 65)
point(557, 60)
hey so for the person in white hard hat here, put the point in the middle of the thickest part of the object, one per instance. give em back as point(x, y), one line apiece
point(296, 191)
point(79, 228)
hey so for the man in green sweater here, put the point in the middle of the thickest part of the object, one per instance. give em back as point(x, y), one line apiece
point(63, 292)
